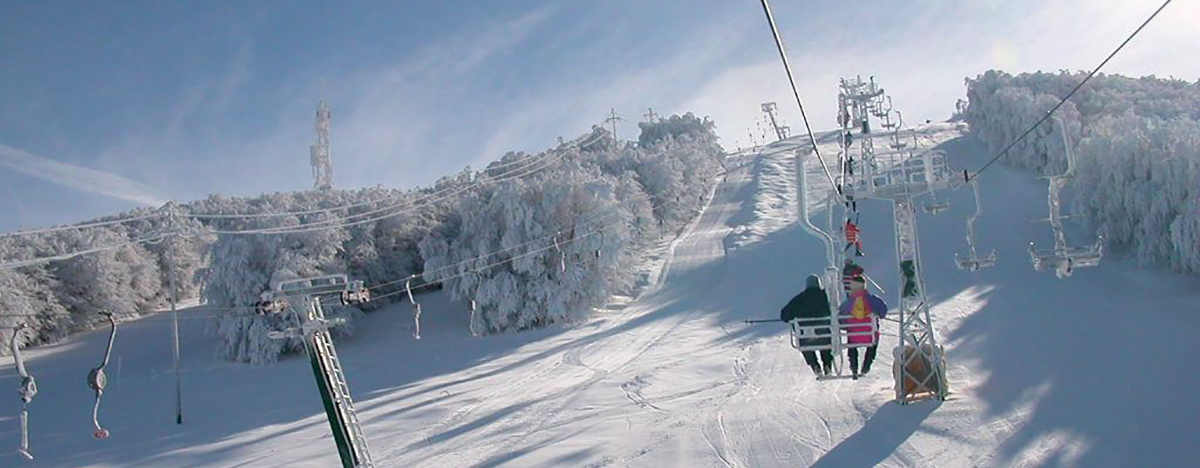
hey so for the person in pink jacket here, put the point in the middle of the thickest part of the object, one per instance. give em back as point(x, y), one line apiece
point(862, 307)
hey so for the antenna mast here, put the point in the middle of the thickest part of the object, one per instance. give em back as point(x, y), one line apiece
point(322, 166)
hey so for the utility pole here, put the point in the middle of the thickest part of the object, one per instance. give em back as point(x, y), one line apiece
point(175, 339)
point(170, 251)
point(613, 118)
point(650, 116)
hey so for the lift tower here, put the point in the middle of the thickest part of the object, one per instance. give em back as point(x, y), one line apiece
point(781, 131)
point(900, 175)
point(303, 298)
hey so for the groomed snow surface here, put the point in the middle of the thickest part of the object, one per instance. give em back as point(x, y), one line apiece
point(1096, 370)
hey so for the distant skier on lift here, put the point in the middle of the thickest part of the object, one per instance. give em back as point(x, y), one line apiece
point(852, 231)
point(849, 271)
point(812, 303)
point(862, 307)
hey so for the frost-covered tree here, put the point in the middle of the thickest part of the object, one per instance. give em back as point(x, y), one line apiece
point(550, 247)
point(1136, 144)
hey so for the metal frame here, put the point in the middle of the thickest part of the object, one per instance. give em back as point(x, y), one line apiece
point(917, 336)
point(973, 261)
point(302, 297)
point(900, 176)
point(322, 165)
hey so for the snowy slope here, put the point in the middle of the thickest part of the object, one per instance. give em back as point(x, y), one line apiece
point(1091, 371)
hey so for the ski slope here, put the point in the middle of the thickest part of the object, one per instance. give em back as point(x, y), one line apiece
point(1092, 371)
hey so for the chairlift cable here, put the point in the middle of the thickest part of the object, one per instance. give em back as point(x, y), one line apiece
point(796, 92)
point(399, 202)
point(341, 222)
point(1072, 93)
point(530, 161)
point(81, 226)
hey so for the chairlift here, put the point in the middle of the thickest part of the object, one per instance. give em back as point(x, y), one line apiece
point(934, 206)
point(268, 304)
point(416, 309)
point(1061, 258)
point(972, 261)
point(897, 143)
point(834, 336)
point(96, 379)
point(356, 293)
point(27, 390)
point(562, 257)
point(472, 306)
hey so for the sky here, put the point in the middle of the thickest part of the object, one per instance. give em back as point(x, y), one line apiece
point(107, 106)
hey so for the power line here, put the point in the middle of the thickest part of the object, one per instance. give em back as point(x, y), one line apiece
point(968, 178)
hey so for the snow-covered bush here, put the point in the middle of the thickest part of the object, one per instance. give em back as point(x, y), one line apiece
point(1137, 145)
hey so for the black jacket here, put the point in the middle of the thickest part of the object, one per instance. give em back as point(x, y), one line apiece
point(812, 303)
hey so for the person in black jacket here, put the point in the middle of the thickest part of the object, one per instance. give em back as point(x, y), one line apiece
point(812, 303)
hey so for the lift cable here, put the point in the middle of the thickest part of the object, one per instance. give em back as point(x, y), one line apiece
point(1068, 96)
point(796, 92)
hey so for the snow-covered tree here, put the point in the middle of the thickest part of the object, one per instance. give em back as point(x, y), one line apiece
point(1136, 144)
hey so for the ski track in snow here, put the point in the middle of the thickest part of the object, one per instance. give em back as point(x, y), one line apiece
point(670, 377)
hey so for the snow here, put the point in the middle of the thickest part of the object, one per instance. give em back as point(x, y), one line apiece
point(1090, 371)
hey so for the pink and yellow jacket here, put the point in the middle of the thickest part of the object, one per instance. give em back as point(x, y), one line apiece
point(862, 307)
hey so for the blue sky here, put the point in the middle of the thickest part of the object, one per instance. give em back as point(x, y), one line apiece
point(110, 105)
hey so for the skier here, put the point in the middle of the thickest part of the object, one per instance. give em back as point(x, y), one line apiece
point(812, 303)
point(852, 238)
point(862, 307)
point(849, 271)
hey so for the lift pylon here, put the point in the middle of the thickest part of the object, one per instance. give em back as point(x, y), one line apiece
point(303, 298)
point(900, 175)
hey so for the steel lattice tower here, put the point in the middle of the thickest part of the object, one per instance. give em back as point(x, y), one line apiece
point(322, 166)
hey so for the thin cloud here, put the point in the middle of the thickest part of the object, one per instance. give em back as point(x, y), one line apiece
point(78, 178)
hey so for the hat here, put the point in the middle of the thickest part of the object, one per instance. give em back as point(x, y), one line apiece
point(813, 281)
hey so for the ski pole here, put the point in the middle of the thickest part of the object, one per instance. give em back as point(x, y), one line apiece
point(763, 321)
point(873, 283)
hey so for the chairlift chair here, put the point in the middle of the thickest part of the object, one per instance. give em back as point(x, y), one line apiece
point(97, 380)
point(268, 304)
point(972, 261)
point(27, 390)
point(356, 293)
point(835, 336)
point(1062, 258)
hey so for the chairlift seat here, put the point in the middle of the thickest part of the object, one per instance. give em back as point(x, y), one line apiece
point(1064, 261)
point(936, 208)
point(975, 262)
point(823, 332)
